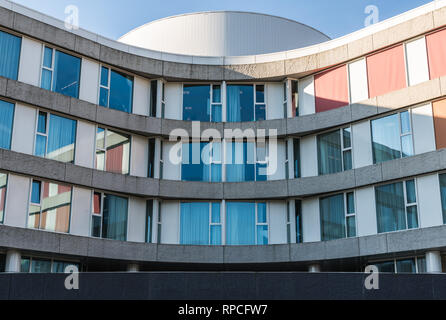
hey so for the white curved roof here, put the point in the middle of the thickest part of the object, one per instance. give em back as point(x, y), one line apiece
point(223, 33)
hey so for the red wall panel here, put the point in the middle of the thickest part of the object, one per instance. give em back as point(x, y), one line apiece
point(331, 89)
point(386, 71)
point(436, 53)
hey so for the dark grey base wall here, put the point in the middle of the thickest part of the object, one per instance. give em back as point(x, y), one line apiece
point(222, 286)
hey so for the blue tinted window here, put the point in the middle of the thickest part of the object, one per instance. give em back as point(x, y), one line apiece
point(48, 58)
point(260, 112)
point(332, 217)
point(390, 207)
point(262, 235)
point(61, 139)
point(196, 103)
point(240, 101)
point(240, 223)
point(386, 139)
point(216, 213)
point(6, 120)
point(41, 123)
point(67, 69)
point(410, 190)
point(46, 79)
point(35, 193)
point(194, 229)
point(216, 235)
point(239, 162)
point(216, 113)
point(261, 213)
point(104, 76)
point(121, 92)
point(114, 220)
point(260, 93)
point(9, 55)
point(216, 93)
point(103, 97)
point(40, 148)
point(193, 167)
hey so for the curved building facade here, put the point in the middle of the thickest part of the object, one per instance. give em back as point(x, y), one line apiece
point(253, 150)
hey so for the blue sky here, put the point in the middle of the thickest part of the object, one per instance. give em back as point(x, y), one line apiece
point(113, 18)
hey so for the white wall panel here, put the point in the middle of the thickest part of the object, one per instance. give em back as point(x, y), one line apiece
point(17, 197)
point(277, 222)
point(81, 209)
point(89, 88)
point(362, 144)
point(141, 97)
point(85, 144)
point(359, 89)
point(30, 62)
point(308, 156)
point(307, 103)
point(170, 218)
point(274, 103)
point(366, 211)
point(429, 201)
point(23, 129)
point(416, 57)
point(137, 220)
point(311, 225)
point(139, 156)
point(171, 171)
point(423, 129)
point(174, 101)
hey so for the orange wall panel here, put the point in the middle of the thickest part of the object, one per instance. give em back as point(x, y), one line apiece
point(436, 53)
point(386, 71)
point(331, 89)
point(439, 110)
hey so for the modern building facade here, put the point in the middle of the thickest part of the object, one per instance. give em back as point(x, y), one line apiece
point(87, 175)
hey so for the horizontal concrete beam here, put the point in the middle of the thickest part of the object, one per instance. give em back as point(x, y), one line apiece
point(148, 126)
point(33, 166)
point(397, 243)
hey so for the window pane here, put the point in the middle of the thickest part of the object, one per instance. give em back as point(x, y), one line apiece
point(114, 220)
point(149, 221)
point(100, 160)
point(239, 162)
point(443, 195)
point(346, 135)
point(104, 76)
point(97, 203)
point(410, 191)
point(61, 139)
point(350, 203)
point(240, 223)
point(48, 57)
point(6, 121)
point(329, 152)
point(406, 266)
point(34, 216)
point(348, 165)
point(298, 213)
point(261, 171)
point(195, 161)
point(96, 226)
point(151, 165)
point(260, 93)
point(421, 264)
point(261, 213)
point(216, 213)
point(260, 112)
point(121, 92)
point(216, 93)
point(194, 228)
point(153, 97)
point(296, 150)
point(216, 235)
point(390, 207)
point(412, 217)
point(56, 207)
point(407, 146)
point(295, 97)
point(332, 217)
point(386, 140)
point(216, 113)
point(117, 152)
point(40, 266)
point(40, 146)
point(103, 97)
point(351, 226)
point(262, 235)
point(35, 193)
point(240, 101)
point(3, 184)
point(9, 55)
point(24, 265)
point(59, 266)
point(100, 138)
point(386, 267)
point(405, 122)
point(196, 102)
point(46, 79)
point(41, 123)
point(66, 74)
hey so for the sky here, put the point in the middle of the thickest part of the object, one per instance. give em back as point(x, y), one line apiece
point(114, 18)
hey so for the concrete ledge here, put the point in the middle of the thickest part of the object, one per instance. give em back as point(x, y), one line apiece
point(33, 166)
point(396, 243)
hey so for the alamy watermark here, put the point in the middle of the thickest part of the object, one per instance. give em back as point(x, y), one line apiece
point(71, 17)
point(373, 15)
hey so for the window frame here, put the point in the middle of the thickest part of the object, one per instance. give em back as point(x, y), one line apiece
point(342, 148)
point(104, 149)
point(394, 261)
point(108, 87)
point(98, 215)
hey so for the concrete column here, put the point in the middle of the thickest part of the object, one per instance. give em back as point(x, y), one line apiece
point(433, 262)
point(13, 261)
point(313, 268)
point(133, 267)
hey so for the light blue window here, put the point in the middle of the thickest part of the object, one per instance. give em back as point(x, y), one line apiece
point(114, 217)
point(443, 195)
point(197, 102)
point(334, 151)
point(9, 55)
point(396, 206)
point(240, 223)
point(240, 162)
point(260, 105)
point(240, 103)
point(55, 137)
point(215, 224)
point(60, 72)
point(262, 224)
point(35, 192)
point(201, 162)
point(332, 217)
point(116, 90)
point(6, 121)
point(194, 229)
point(392, 137)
